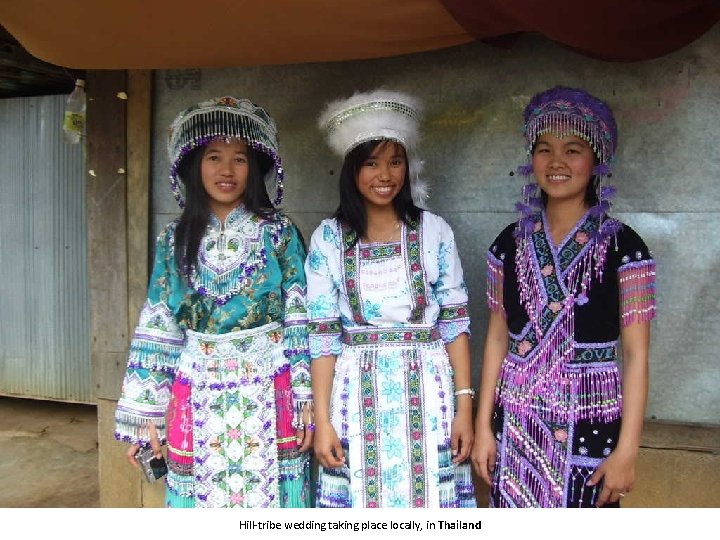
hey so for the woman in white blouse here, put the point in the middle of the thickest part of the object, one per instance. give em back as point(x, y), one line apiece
point(389, 324)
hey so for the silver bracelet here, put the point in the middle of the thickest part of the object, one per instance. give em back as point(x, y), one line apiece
point(468, 391)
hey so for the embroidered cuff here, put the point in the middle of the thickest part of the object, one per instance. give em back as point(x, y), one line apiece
point(450, 330)
point(155, 350)
point(145, 398)
point(324, 337)
point(131, 422)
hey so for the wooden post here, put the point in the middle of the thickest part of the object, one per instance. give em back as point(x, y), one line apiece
point(139, 116)
point(107, 272)
point(118, 149)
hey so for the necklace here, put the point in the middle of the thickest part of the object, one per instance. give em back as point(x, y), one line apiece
point(386, 238)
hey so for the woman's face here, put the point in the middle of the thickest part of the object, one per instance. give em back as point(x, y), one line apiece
point(382, 174)
point(224, 171)
point(563, 167)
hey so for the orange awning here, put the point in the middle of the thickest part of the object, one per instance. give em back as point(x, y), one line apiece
point(148, 34)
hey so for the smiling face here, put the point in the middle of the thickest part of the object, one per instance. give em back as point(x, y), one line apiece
point(224, 170)
point(382, 174)
point(563, 167)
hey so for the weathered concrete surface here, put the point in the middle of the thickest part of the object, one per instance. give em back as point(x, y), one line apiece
point(48, 454)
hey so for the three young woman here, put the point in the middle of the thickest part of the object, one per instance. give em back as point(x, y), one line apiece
point(222, 346)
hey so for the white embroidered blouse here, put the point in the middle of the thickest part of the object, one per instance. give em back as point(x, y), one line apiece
point(411, 284)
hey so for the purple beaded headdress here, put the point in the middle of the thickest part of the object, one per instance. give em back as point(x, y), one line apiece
point(571, 111)
point(567, 111)
point(224, 118)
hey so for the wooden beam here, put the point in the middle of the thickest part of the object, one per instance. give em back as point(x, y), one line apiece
point(139, 109)
point(107, 239)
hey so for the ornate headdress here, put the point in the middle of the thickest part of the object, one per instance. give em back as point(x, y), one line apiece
point(223, 118)
point(377, 115)
point(571, 111)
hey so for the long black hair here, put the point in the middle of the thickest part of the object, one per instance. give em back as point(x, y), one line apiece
point(352, 211)
point(194, 219)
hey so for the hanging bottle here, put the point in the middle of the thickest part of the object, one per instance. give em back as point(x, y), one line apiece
point(74, 120)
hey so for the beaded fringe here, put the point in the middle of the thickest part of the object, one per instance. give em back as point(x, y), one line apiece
point(456, 488)
point(333, 489)
point(637, 292)
point(180, 490)
point(495, 278)
point(232, 282)
point(534, 449)
point(301, 406)
point(562, 395)
point(132, 427)
point(153, 355)
point(546, 383)
point(565, 124)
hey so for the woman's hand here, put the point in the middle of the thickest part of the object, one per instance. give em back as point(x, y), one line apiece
point(130, 455)
point(327, 446)
point(462, 436)
point(132, 450)
point(484, 454)
point(617, 474)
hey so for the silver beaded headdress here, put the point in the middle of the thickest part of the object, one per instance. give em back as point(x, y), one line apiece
point(377, 115)
point(223, 118)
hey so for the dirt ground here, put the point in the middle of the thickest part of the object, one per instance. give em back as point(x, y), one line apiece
point(48, 454)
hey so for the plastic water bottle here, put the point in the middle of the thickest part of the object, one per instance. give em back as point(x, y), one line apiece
point(74, 120)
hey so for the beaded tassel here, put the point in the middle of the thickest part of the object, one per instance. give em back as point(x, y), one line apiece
point(637, 292)
point(301, 407)
point(495, 280)
point(542, 382)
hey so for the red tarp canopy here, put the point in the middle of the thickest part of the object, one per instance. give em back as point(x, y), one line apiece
point(149, 34)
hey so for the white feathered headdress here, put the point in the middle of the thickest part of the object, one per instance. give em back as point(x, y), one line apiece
point(370, 116)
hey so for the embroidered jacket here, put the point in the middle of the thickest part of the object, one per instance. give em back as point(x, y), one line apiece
point(249, 273)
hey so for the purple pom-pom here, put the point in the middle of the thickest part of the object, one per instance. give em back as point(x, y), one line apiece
point(607, 192)
point(601, 169)
point(525, 170)
point(603, 207)
point(523, 208)
point(611, 227)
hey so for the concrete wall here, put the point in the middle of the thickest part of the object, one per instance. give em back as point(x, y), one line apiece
point(668, 111)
